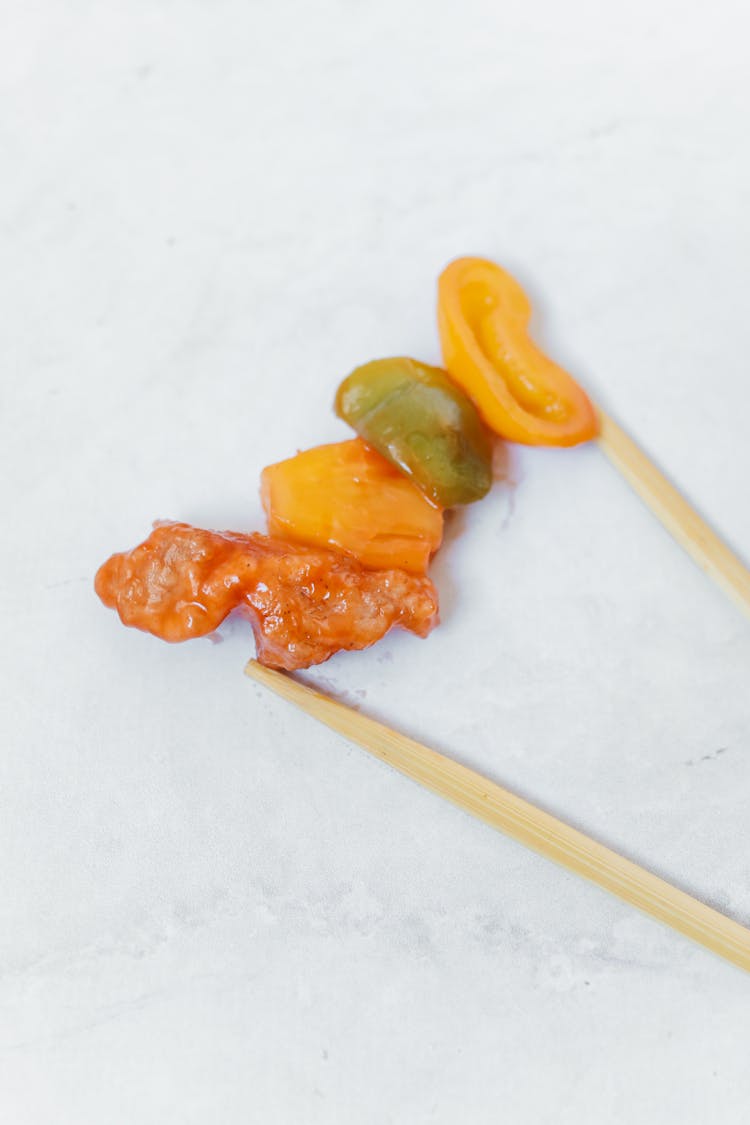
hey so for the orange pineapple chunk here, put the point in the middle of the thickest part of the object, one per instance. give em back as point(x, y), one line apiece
point(348, 497)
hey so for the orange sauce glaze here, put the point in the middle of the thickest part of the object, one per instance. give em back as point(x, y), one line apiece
point(304, 603)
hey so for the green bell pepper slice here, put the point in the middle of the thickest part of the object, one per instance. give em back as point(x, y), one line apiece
point(418, 419)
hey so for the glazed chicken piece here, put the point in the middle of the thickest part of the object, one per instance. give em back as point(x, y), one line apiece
point(303, 603)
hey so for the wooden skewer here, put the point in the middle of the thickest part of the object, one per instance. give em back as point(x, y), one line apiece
point(521, 820)
point(706, 548)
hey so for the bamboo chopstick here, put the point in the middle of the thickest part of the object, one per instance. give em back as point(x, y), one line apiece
point(711, 554)
point(521, 820)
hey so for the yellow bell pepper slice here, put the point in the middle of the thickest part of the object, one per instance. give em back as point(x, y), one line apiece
point(483, 318)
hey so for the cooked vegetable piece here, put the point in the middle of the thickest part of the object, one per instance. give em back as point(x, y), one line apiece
point(483, 316)
point(347, 496)
point(423, 423)
point(304, 604)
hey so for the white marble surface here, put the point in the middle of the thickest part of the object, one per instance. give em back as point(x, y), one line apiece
point(212, 910)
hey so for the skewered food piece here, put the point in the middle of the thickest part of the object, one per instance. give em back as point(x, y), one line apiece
point(483, 318)
point(347, 496)
point(304, 603)
point(424, 424)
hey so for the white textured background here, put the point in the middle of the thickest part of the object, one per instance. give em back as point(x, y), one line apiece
point(211, 909)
